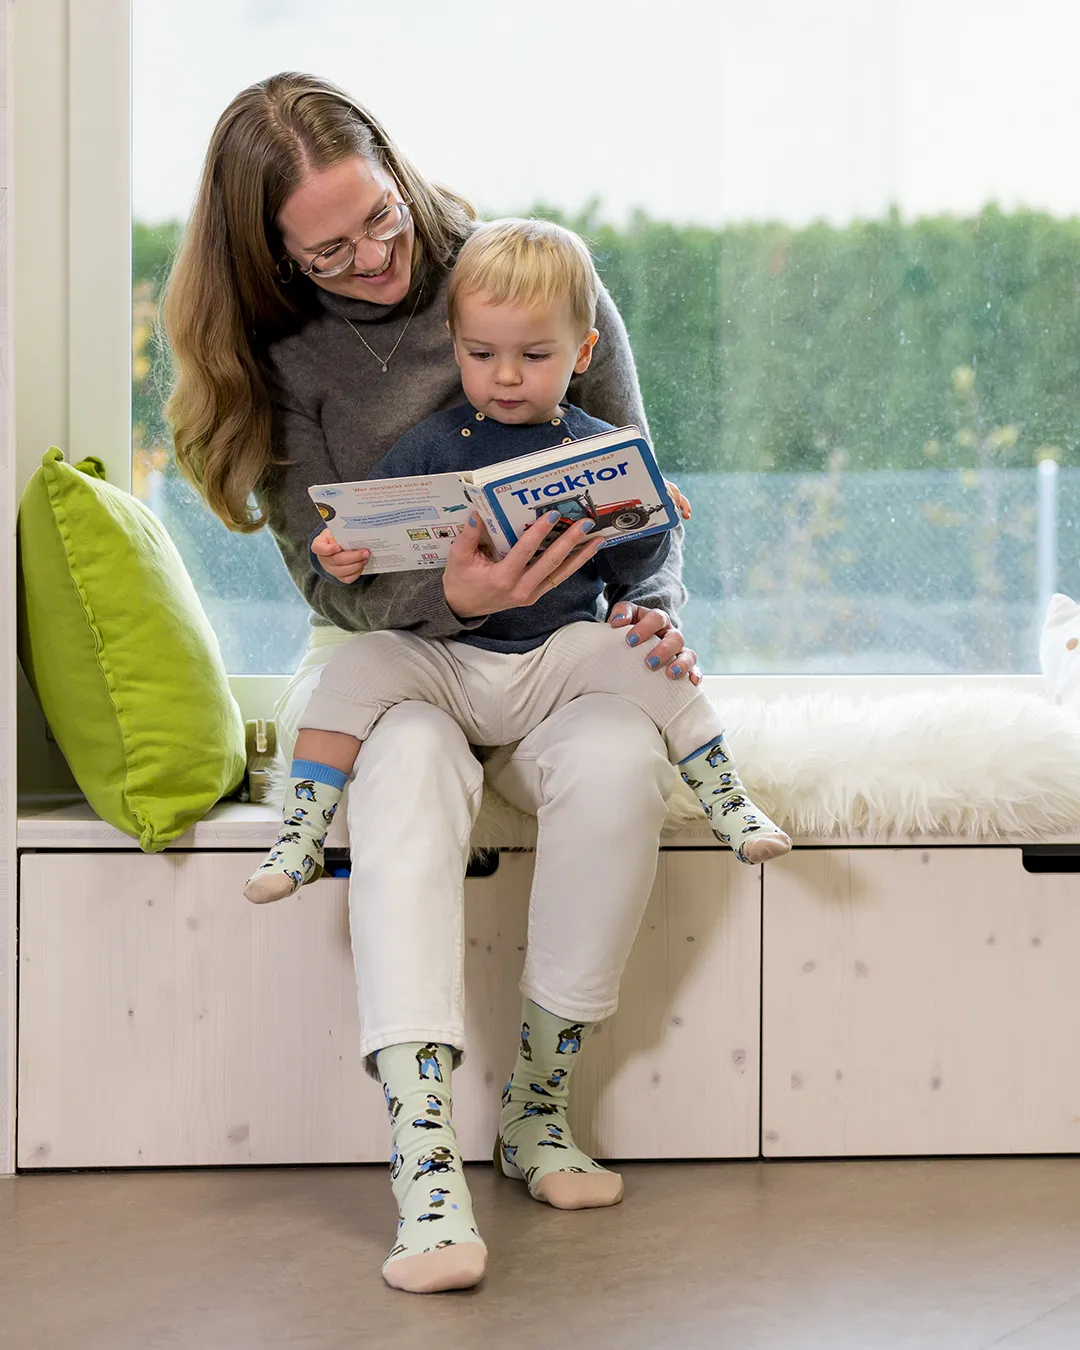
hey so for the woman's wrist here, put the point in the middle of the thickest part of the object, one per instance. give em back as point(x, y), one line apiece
point(456, 601)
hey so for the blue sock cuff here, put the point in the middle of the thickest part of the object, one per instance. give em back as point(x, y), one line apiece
point(318, 773)
point(700, 750)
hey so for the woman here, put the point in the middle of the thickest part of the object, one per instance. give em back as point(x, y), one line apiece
point(306, 313)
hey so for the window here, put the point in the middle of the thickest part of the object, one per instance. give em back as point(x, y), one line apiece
point(842, 235)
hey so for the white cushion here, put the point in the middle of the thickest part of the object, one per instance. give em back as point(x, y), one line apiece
point(1059, 651)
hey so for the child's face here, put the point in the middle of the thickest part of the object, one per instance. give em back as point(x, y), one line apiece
point(516, 361)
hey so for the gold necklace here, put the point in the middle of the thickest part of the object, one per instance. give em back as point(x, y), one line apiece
point(385, 361)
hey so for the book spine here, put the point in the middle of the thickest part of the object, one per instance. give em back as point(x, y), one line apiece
point(478, 500)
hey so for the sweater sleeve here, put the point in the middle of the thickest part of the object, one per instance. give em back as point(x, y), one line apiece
point(652, 578)
point(411, 601)
point(609, 390)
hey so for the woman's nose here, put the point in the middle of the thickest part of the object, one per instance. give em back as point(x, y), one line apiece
point(371, 253)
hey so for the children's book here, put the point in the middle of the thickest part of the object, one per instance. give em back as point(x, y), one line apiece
point(611, 479)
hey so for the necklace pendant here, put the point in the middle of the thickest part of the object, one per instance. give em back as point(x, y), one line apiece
point(384, 368)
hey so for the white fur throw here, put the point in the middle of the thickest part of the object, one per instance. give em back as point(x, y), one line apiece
point(983, 762)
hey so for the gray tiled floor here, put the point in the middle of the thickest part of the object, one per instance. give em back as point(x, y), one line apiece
point(842, 1256)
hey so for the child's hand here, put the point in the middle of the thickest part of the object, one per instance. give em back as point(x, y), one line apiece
point(343, 564)
point(682, 504)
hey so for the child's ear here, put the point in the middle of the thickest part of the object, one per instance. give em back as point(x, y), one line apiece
point(585, 351)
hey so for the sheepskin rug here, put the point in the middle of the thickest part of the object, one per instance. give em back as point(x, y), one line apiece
point(981, 761)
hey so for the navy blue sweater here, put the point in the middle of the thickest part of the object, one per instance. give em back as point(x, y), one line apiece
point(438, 445)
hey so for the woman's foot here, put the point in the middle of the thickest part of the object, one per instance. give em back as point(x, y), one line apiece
point(438, 1247)
point(311, 799)
point(736, 821)
point(535, 1144)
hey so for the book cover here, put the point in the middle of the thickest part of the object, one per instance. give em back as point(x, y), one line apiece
point(612, 479)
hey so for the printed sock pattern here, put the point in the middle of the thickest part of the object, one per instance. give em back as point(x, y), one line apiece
point(435, 1215)
point(534, 1139)
point(311, 799)
point(736, 821)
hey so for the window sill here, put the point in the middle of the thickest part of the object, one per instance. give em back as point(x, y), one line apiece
point(47, 823)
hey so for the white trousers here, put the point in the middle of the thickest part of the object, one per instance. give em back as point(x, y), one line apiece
point(596, 775)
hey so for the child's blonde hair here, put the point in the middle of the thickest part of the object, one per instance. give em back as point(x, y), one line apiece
point(526, 262)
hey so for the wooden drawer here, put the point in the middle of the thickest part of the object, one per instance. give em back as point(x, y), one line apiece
point(919, 1001)
point(165, 1022)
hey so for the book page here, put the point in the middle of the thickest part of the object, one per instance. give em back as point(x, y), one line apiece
point(407, 523)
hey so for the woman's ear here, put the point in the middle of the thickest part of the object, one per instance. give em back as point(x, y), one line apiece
point(585, 351)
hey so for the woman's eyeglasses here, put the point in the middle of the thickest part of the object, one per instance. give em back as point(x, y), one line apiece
point(338, 258)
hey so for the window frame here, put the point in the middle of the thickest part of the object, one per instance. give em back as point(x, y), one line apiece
point(73, 350)
point(72, 131)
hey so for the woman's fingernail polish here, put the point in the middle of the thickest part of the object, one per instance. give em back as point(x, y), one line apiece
point(632, 639)
point(472, 521)
point(652, 662)
point(553, 516)
point(676, 670)
point(587, 525)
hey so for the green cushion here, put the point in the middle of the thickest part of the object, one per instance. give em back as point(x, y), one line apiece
point(121, 655)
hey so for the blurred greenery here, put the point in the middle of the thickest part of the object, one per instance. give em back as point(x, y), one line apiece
point(794, 366)
point(762, 347)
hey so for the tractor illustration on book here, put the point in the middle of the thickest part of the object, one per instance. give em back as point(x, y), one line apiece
point(630, 514)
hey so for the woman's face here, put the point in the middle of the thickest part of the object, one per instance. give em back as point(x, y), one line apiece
point(337, 204)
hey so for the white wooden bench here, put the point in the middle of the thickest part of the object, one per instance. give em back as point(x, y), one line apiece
point(863, 997)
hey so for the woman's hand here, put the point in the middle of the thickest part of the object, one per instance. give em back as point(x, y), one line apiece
point(475, 584)
point(682, 504)
point(670, 653)
point(343, 564)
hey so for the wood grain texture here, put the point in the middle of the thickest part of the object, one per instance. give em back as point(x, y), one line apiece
point(165, 1022)
point(919, 1002)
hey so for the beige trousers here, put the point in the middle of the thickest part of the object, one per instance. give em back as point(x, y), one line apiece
point(497, 697)
point(596, 774)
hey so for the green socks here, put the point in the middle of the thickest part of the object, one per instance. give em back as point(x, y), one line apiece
point(438, 1246)
point(736, 821)
point(311, 798)
point(535, 1143)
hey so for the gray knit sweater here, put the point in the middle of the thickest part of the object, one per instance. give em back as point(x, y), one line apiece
point(336, 415)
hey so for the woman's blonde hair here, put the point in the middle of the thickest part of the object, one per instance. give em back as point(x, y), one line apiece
point(226, 299)
point(526, 262)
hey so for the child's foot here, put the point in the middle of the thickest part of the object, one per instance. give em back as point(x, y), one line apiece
point(736, 821)
point(535, 1144)
point(311, 799)
point(761, 847)
point(437, 1247)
